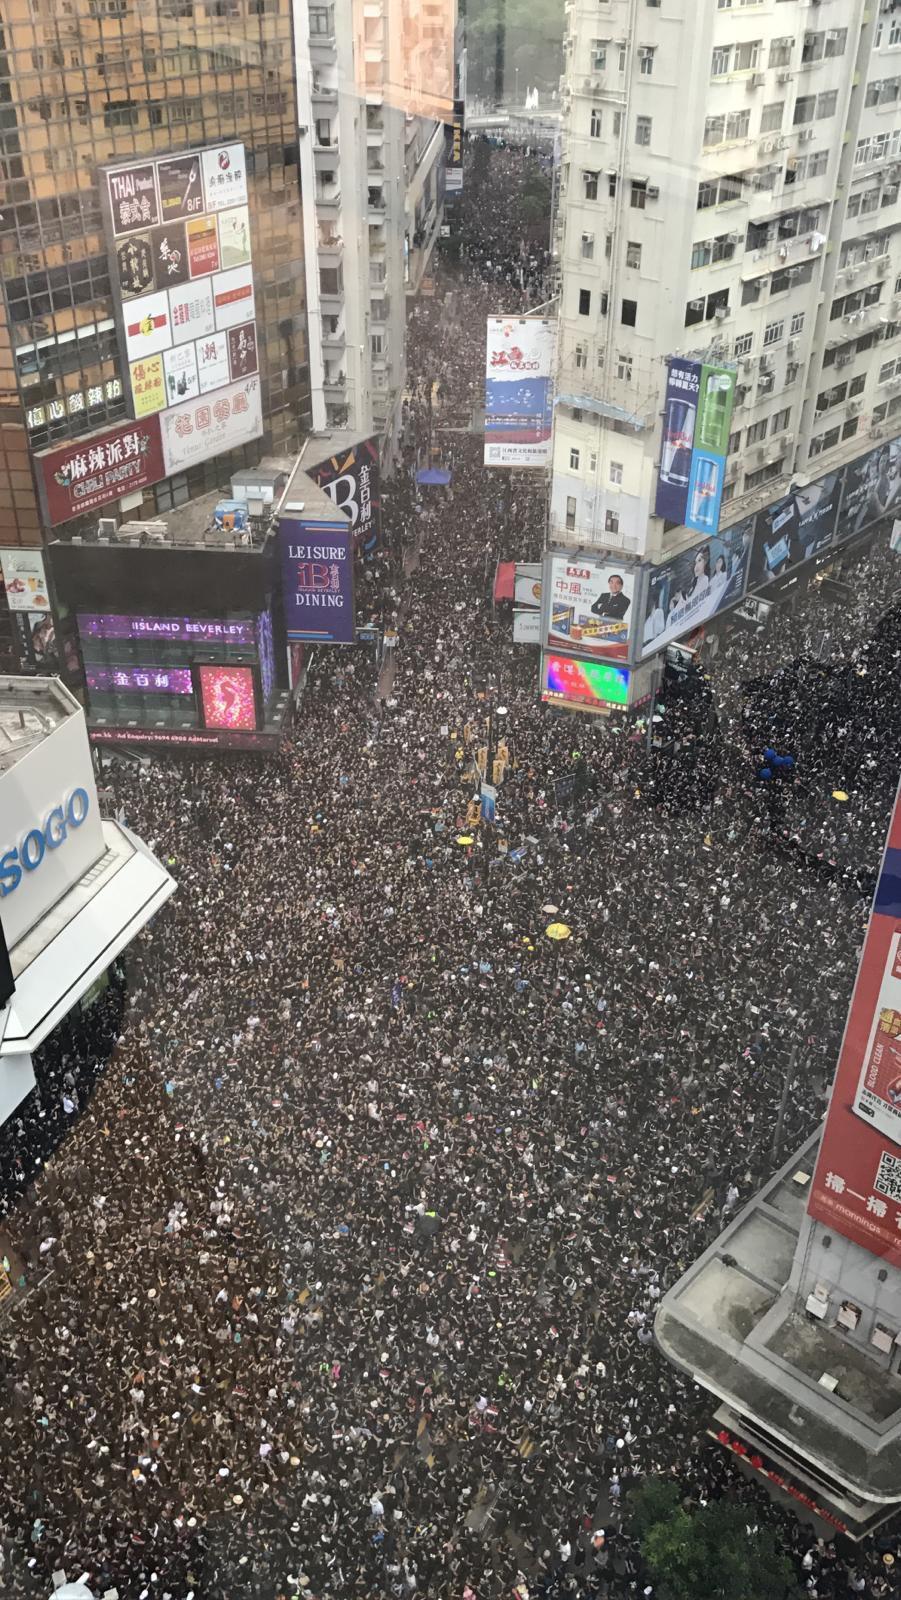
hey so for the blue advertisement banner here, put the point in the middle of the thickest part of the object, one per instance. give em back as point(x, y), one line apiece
point(680, 409)
point(317, 581)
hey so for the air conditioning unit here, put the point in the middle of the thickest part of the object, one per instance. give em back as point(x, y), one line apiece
point(652, 191)
point(757, 80)
point(748, 365)
point(784, 77)
point(788, 438)
point(843, 360)
point(804, 134)
point(106, 527)
point(721, 313)
point(764, 363)
point(895, 384)
point(854, 406)
point(791, 347)
point(876, 432)
point(760, 453)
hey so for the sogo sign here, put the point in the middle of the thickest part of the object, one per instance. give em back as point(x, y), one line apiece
point(28, 854)
point(51, 832)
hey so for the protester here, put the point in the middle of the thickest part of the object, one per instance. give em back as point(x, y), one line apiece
point(342, 1281)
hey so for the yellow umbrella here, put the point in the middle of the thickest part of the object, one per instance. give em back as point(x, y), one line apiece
point(839, 794)
point(557, 930)
point(465, 838)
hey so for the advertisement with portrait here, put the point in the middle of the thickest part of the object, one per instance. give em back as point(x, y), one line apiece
point(519, 407)
point(351, 480)
point(201, 428)
point(794, 529)
point(856, 1188)
point(872, 488)
point(695, 585)
point(585, 685)
point(697, 418)
point(588, 606)
point(317, 581)
point(86, 473)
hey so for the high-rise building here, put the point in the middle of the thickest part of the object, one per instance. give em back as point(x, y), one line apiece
point(94, 85)
point(371, 151)
point(791, 1319)
point(729, 191)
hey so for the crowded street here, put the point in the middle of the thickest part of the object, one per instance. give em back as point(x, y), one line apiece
point(341, 1277)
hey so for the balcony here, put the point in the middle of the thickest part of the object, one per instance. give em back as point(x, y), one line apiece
point(375, 201)
point(325, 156)
point(328, 199)
point(334, 384)
point(324, 94)
point(333, 340)
point(331, 247)
point(378, 309)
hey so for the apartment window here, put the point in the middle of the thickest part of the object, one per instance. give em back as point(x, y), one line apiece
point(747, 56)
point(611, 185)
point(599, 55)
point(781, 52)
point(721, 61)
point(639, 194)
point(857, 385)
point(882, 91)
point(694, 312)
point(724, 5)
point(780, 421)
point(605, 300)
point(623, 57)
point(738, 124)
point(581, 354)
point(734, 444)
point(818, 163)
point(850, 428)
point(574, 460)
point(708, 191)
point(771, 116)
point(629, 313)
point(617, 124)
point(633, 254)
point(772, 333)
point(826, 104)
point(714, 130)
point(702, 253)
point(592, 461)
point(827, 399)
point(611, 522)
point(584, 302)
point(753, 480)
point(608, 246)
point(588, 247)
point(750, 291)
point(590, 181)
point(756, 432)
point(120, 114)
point(796, 324)
point(624, 368)
point(320, 19)
point(596, 123)
point(805, 106)
point(646, 60)
point(894, 32)
point(616, 472)
point(570, 513)
point(744, 344)
point(642, 130)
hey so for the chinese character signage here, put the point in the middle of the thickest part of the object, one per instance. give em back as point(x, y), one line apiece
point(519, 409)
point(139, 680)
point(351, 480)
point(857, 1184)
point(90, 472)
point(697, 419)
point(180, 248)
point(317, 581)
point(204, 427)
point(589, 607)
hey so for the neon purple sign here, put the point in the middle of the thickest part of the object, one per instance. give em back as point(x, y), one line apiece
point(109, 625)
point(139, 680)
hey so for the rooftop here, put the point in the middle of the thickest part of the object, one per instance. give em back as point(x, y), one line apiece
point(736, 1322)
point(30, 710)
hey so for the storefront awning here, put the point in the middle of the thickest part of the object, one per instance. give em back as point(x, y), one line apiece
point(504, 580)
point(75, 942)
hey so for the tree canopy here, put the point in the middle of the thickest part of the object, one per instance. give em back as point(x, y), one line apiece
point(711, 1552)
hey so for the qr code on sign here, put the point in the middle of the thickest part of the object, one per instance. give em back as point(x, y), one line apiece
point(888, 1178)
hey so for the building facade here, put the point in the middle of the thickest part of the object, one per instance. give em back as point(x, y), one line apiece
point(90, 84)
point(374, 160)
point(729, 191)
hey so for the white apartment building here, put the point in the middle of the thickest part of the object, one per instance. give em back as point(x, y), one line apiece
point(730, 189)
point(373, 172)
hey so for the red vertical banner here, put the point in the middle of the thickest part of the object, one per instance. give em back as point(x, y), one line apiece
point(857, 1184)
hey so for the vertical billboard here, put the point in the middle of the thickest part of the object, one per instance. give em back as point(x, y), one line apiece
point(351, 480)
point(25, 580)
point(795, 529)
point(697, 419)
point(453, 150)
point(588, 607)
point(227, 697)
point(695, 586)
point(857, 1184)
point(317, 581)
point(178, 232)
point(519, 407)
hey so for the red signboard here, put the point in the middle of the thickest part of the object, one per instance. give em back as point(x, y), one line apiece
point(763, 1466)
point(856, 1188)
point(90, 472)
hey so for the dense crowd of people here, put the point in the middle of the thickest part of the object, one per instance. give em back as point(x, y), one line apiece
point(342, 1282)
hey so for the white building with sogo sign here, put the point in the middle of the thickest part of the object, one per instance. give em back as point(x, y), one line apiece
point(75, 887)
